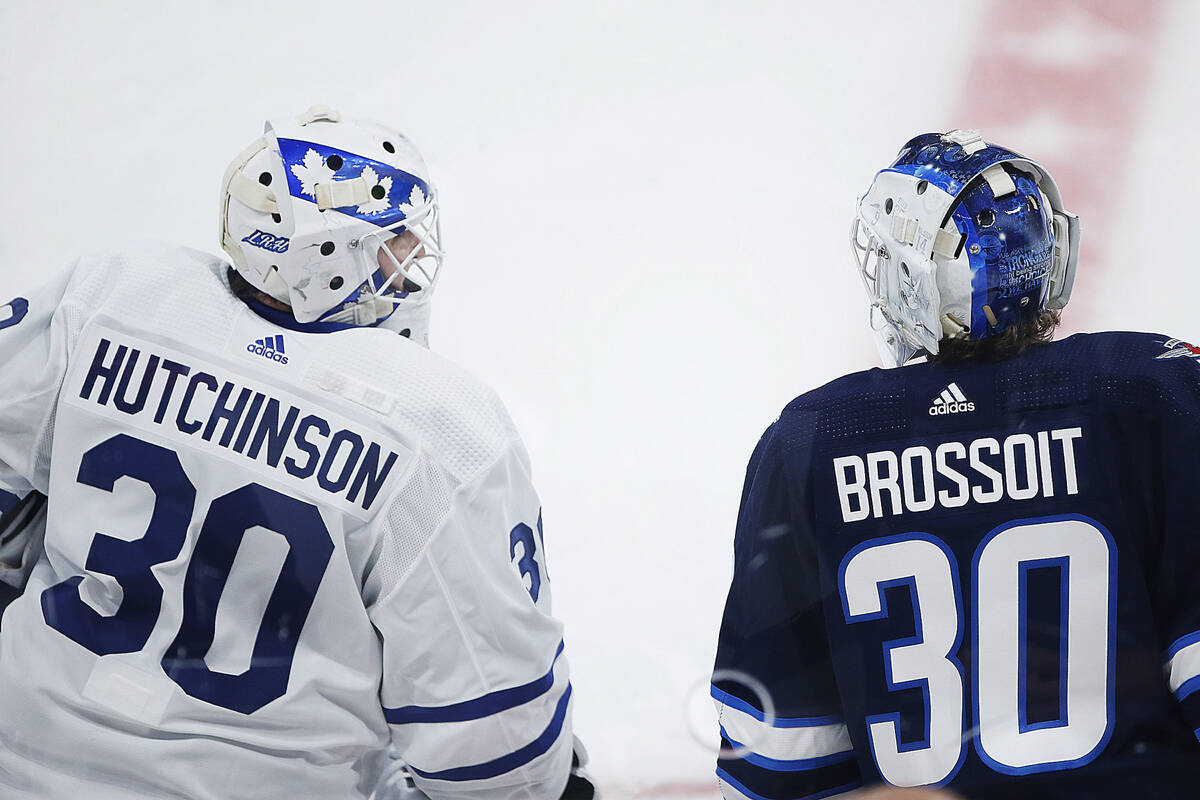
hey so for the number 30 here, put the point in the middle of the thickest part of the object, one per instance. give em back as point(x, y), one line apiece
point(131, 565)
point(1087, 555)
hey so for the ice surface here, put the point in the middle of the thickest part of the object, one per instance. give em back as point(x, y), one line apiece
point(645, 206)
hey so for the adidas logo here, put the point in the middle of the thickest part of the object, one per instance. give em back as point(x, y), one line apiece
point(271, 347)
point(950, 401)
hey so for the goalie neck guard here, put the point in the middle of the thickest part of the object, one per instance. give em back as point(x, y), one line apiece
point(335, 218)
point(960, 238)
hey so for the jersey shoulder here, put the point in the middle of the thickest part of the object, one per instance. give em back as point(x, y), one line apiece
point(1148, 371)
point(867, 402)
point(430, 402)
point(153, 286)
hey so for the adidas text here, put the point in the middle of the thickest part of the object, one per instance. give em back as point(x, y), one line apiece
point(938, 409)
point(950, 401)
point(270, 347)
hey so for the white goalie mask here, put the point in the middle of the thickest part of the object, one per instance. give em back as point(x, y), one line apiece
point(337, 219)
point(960, 238)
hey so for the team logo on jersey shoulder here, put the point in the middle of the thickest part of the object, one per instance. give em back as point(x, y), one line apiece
point(950, 401)
point(267, 241)
point(269, 347)
point(1175, 348)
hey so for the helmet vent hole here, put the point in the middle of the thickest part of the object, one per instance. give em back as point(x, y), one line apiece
point(407, 332)
point(334, 162)
point(986, 218)
point(327, 249)
point(336, 283)
point(378, 192)
point(887, 206)
point(922, 186)
point(904, 268)
point(277, 218)
point(391, 148)
point(265, 179)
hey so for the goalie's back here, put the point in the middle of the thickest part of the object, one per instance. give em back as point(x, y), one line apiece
point(238, 532)
point(977, 574)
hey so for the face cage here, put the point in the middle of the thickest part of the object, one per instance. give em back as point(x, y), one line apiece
point(421, 265)
point(868, 252)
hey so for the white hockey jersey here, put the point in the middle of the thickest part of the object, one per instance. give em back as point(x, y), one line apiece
point(268, 553)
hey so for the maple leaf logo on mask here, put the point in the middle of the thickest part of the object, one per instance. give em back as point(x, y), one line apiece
point(314, 170)
point(380, 189)
point(416, 200)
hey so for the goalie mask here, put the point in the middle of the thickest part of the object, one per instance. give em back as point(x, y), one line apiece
point(960, 238)
point(337, 219)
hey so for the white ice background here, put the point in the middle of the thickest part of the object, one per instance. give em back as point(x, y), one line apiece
point(646, 207)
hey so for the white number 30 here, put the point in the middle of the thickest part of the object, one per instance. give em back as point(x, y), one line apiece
point(1005, 741)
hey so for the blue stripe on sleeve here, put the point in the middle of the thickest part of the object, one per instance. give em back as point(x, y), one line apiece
point(7, 501)
point(789, 765)
point(480, 707)
point(725, 776)
point(1180, 643)
point(507, 763)
point(778, 722)
point(1187, 688)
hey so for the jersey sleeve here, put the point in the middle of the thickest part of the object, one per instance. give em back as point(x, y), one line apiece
point(34, 343)
point(476, 688)
point(1177, 586)
point(782, 730)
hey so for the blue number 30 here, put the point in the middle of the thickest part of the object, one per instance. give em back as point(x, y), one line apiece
point(523, 535)
point(130, 563)
point(20, 307)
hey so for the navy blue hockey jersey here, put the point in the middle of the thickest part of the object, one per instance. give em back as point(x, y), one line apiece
point(981, 575)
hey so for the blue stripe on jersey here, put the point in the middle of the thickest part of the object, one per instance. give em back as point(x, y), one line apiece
point(788, 765)
point(1197, 732)
point(778, 722)
point(492, 703)
point(1187, 688)
point(7, 501)
point(735, 783)
point(507, 763)
point(1180, 643)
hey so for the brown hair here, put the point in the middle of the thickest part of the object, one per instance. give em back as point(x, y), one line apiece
point(1014, 341)
point(246, 291)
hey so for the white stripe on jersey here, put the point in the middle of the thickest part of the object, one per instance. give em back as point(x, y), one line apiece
point(1183, 668)
point(796, 742)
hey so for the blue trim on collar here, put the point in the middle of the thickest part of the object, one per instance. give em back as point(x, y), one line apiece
point(284, 319)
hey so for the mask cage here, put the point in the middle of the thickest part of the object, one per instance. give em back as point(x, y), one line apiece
point(406, 280)
point(420, 267)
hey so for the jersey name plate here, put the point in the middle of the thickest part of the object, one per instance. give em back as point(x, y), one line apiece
point(191, 401)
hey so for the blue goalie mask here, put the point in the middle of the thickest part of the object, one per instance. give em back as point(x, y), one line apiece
point(960, 238)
